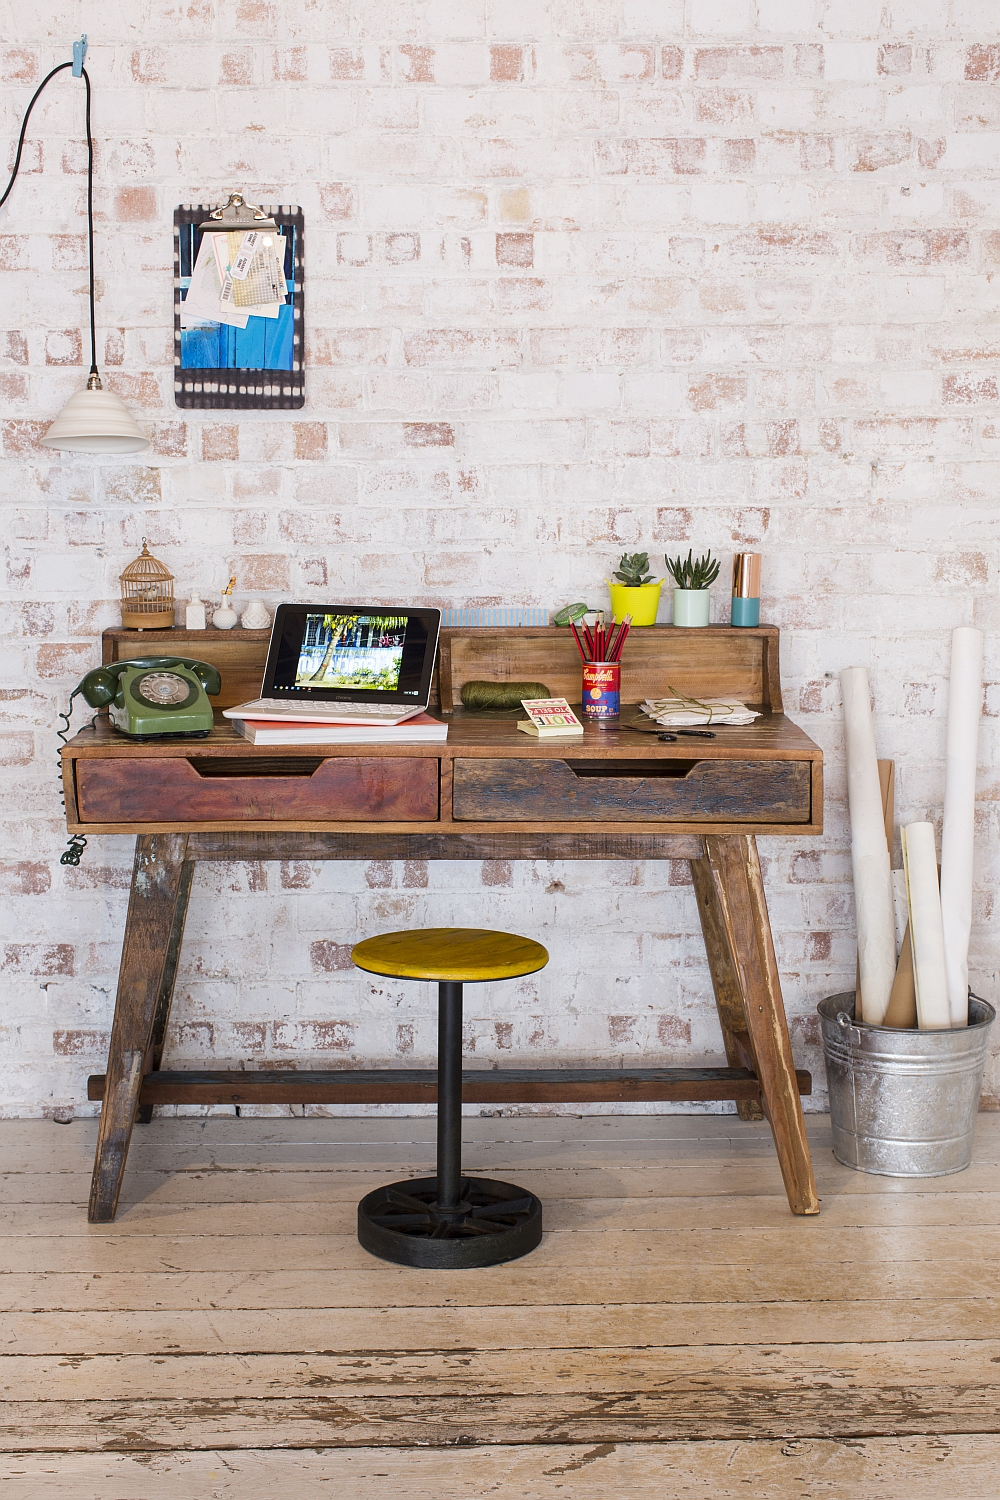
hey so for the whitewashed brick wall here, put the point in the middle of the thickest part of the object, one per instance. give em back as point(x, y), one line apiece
point(583, 275)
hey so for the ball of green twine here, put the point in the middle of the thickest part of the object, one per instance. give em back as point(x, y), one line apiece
point(481, 696)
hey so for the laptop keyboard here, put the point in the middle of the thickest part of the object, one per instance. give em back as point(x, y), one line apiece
point(367, 710)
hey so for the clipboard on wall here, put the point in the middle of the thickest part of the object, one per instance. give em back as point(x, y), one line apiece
point(228, 361)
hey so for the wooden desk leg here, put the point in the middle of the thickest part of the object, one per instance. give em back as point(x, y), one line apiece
point(157, 882)
point(728, 998)
point(154, 1053)
point(741, 920)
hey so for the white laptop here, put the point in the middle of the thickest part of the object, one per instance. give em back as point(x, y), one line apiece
point(346, 664)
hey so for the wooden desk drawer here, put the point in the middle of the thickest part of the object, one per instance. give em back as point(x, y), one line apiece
point(709, 791)
point(337, 789)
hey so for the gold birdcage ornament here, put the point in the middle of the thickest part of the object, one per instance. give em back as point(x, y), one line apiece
point(147, 594)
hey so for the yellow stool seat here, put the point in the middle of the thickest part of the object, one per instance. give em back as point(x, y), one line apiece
point(456, 955)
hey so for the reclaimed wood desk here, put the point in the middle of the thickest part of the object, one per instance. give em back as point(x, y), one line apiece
point(490, 792)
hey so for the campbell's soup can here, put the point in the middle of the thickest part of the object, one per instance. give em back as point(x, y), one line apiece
point(602, 684)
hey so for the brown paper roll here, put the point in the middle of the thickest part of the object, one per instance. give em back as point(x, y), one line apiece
point(902, 1008)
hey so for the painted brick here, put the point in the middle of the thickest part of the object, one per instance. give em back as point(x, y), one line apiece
point(220, 442)
point(47, 960)
point(515, 250)
point(347, 63)
point(19, 65)
point(338, 200)
point(739, 62)
point(506, 63)
point(650, 158)
point(982, 63)
point(136, 204)
point(573, 286)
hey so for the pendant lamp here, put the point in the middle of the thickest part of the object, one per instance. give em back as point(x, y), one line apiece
point(93, 420)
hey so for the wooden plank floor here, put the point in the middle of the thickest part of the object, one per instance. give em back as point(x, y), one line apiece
point(677, 1333)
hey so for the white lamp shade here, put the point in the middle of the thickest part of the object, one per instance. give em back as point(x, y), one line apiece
point(95, 422)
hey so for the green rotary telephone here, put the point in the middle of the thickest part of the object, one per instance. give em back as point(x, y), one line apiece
point(154, 696)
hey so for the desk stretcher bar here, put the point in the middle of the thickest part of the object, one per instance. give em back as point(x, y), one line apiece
point(419, 1086)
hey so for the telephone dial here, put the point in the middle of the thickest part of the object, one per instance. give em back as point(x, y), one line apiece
point(154, 696)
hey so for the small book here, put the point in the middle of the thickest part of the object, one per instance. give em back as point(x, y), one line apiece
point(549, 718)
point(420, 730)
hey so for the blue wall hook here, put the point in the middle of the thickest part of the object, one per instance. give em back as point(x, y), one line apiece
point(79, 53)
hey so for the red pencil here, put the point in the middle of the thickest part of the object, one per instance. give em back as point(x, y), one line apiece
point(579, 643)
point(618, 643)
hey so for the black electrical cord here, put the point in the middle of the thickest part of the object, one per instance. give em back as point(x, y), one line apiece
point(90, 190)
point(77, 844)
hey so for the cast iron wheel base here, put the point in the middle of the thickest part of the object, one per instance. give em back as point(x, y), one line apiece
point(493, 1222)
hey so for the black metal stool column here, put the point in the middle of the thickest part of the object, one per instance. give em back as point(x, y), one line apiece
point(450, 1220)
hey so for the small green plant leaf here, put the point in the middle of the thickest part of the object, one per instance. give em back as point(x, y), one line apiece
point(631, 570)
point(691, 573)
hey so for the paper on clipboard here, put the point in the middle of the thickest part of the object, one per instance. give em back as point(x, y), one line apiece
point(202, 303)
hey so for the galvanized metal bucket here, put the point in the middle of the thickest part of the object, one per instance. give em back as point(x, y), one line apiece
point(903, 1103)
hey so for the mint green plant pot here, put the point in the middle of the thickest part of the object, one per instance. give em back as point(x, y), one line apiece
point(691, 607)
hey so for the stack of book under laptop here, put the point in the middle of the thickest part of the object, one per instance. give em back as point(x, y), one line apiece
point(267, 727)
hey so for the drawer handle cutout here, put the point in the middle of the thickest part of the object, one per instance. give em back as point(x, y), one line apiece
point(258, 765)
point(644, 770)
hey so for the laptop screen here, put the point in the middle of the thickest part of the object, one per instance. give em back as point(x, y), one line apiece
point(338, 652)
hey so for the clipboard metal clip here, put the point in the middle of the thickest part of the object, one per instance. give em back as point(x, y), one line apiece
point(238, 214)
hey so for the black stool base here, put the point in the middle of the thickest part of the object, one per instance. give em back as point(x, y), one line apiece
point(494, 1222)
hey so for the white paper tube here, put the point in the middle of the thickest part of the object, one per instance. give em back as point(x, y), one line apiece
point(965, 695)
point(900, 906)
point(869, 853)
point(927, 936)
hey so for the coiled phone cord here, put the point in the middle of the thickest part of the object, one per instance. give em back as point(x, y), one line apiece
point(76, 843)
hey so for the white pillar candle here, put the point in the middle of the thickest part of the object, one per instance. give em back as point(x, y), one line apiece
point(965, 696)
point(926, 933)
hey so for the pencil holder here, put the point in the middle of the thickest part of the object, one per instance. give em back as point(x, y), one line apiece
point(602, 682)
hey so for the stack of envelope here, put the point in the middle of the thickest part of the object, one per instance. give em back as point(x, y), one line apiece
point(680, 709)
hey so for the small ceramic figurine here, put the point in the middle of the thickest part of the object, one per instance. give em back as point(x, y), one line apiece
point(225, 617)
point(255, 616)
point(194, 614)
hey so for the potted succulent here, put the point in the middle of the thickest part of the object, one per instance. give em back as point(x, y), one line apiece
point(692, 578)
point(637, 592)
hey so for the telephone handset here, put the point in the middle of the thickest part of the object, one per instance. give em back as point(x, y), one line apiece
point(154, 695)
point(146, 699)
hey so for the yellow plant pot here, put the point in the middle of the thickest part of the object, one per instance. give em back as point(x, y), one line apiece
point(641, 603)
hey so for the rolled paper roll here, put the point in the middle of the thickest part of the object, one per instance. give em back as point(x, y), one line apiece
point(901, 1011)
point(900, 906)
point(869, 854)
point(965, 696)
point(926, 933)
